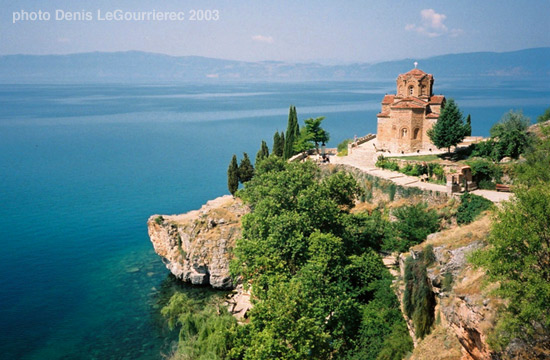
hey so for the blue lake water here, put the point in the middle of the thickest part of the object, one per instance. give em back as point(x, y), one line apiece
point(82, 167)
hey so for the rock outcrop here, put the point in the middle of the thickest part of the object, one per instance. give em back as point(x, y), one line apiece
point(196, 246)
point(465, 312)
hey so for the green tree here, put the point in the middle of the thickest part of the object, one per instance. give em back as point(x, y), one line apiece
point(307, 259)
point(205, 331)
point(278, 144)
point(292, 133)
point(413, 224)
point(449, 130)
point(263, 152)
point(246, 170)
point(544, 117)
point(282, 142)
point(469, 125)
point(233, 175)
point(317, 134)
point(511, 135)
point(303, 142)
point(534, 170)
point(518, 258)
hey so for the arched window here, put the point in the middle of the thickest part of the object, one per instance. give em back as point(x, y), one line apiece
point(403, 133)
point(416, 132)
point(424, 90)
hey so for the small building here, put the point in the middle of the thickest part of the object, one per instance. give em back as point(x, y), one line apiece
point(460, 181)
point(407, 115)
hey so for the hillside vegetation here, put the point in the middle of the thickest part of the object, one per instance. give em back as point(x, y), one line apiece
point(310, 256)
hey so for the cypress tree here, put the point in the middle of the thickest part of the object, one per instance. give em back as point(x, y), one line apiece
point(469, 125)
point(295, 122)
point(282, 142)
point(246, 170)
point(265, 149)
point(449, 130)
point(263, 152)
point(292, 133)
point(278, 147)
point(233, 176)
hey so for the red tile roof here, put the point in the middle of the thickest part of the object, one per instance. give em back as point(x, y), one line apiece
point(415, 99)
point(388, 99)
point(383, 114)
point(410, 103)
point(416, 72)
point(437, 99)
point(432, 116)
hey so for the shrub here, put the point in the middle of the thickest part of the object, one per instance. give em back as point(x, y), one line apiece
point(159, 220)
point(420, 169)
point(470, 207)
point(392, 190)
point(407, 169)
point(485, 172)
point(484, 149)
point(414, 223)
point(343, 147)
point(439, 172)
point(384, 163)
point(487, 185)
point(429, 256)
point(447, 283)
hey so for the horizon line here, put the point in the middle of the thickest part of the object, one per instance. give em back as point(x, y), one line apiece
point(267, 61)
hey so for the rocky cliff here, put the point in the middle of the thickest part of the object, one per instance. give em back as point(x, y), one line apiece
point(196, 246)
point(465, 312)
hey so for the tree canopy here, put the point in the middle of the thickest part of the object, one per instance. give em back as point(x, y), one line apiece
point(317, 134)
point(450, 129)
point(246, 170)
point(313, 269)
point(519, 259)
point(278, 144)
point(263, 152)
point(544, 117)
point(511, 135)
point(233, 175)
point(518, 256)
point(292, 133)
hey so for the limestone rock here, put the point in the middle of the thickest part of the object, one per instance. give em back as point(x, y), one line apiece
point(196, 246)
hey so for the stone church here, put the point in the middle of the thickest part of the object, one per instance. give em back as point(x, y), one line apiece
point(407, 115)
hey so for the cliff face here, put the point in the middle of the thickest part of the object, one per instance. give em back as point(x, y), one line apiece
point(196, 246)
point(464, 312)
point(468, 311)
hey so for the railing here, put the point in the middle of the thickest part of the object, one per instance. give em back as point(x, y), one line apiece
point(362, 140)
point(301, 156)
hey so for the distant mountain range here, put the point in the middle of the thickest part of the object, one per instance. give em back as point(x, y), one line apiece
point(142, 67)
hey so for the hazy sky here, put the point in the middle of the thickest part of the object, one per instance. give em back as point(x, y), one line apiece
point(323, 31)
